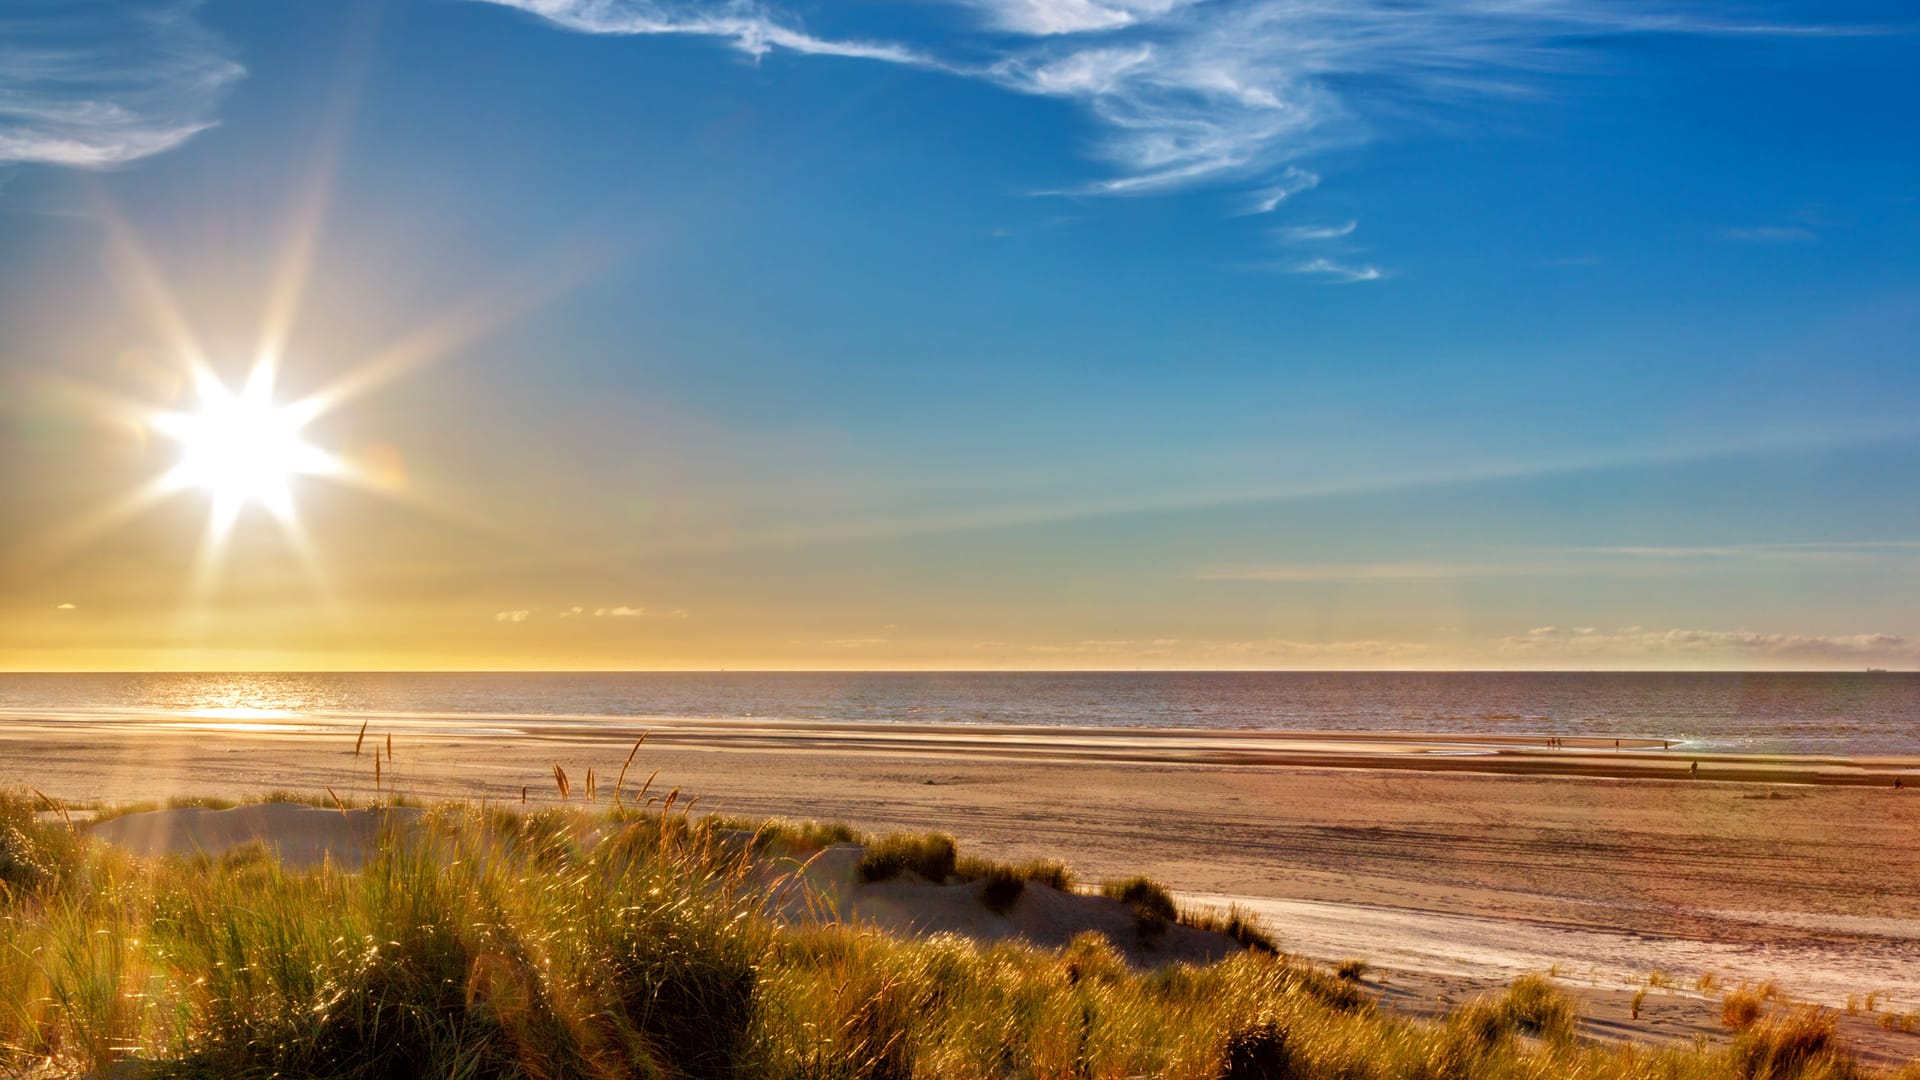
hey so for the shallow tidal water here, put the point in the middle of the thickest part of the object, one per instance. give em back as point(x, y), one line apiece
point(1846, 714)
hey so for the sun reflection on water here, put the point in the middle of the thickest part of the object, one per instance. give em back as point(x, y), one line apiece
point(243, 712)
point(262, 696)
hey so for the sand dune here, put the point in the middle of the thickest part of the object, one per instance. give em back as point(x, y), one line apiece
point(1421, 961)
point(805, 887)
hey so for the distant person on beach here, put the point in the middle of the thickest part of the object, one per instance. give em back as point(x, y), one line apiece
point(1693, 770)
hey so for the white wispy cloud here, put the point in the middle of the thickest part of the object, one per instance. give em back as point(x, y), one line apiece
point(1186, 93)
point(1291, 573)
point(1047, 17)
point(752, 28)
point(1620, 561)
point(624, 611)
point(1311, 234)
point(1293, 180)
point(1335, 271)
point(1258, 652)
point(616, 611)
point(1801, 549)
point(1769, 234)
point(92, 85)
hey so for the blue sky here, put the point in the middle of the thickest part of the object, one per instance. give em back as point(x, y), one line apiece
point(991, 332)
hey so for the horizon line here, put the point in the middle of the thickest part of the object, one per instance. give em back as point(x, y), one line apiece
point(961, 671)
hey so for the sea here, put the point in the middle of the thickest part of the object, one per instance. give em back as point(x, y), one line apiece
point(1843, 714)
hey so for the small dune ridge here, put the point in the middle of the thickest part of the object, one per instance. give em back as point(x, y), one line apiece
point(913, 884)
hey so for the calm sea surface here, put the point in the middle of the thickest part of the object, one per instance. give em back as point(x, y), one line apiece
point(1865, 713)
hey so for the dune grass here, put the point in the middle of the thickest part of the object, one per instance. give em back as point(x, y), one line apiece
point(1153, 906)
point(935, 858)
point(1000, 888)
point(931, 856)
point(570, 943)
point(1235, 922)
point(1742, 1006)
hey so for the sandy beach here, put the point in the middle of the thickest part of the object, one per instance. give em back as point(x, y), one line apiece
point(1448, 863)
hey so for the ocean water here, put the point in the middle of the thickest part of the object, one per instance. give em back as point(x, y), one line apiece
point(1843, 714)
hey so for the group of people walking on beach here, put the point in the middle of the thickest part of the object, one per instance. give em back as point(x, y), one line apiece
point(1555, 742)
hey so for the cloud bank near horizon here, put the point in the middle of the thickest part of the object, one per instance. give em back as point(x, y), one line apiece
point(1569, 647)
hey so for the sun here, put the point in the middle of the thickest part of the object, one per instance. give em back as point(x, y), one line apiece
point(248, 448)
point(243, 448)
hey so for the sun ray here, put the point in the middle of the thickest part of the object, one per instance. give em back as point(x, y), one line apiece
point(213, 548)
point(288, 284)
point(101, 403)
point(156, 300)
point(307, 553)
point(479, 315)
point(80, 531)
point(493, 527)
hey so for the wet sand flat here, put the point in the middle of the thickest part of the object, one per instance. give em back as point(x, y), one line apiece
point(1417, 752)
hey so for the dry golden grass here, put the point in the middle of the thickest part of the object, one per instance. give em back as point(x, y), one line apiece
point(1153, 906)
point(1743, 1006)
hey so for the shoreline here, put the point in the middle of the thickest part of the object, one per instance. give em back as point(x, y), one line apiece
point(1573, 756)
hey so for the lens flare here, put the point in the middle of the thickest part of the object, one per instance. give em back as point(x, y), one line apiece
point(242, 447)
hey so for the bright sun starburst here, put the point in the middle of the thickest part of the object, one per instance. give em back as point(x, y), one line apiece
point(243, 447)
point(246, 448)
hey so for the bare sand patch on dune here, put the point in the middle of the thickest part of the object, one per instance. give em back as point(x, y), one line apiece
point(300, 835)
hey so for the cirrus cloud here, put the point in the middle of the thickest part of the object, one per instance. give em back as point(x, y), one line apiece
point(1184, 93)
point(91, 85)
